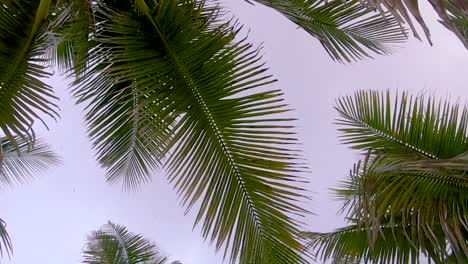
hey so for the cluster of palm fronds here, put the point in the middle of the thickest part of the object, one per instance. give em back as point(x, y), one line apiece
point(408, 198)
point(114, 244)
point(171, 83)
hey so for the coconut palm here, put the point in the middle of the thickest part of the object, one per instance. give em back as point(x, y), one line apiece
point(407, 199)
point(114, 244)
point(175, 84)
point(20, 161)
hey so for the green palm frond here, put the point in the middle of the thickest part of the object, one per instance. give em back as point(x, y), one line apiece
point(5, 242)
point(403, 125)
point(348, 30)
point(351, 245)
point(409, 195)
point(429, 201)
point(399, 211)
point(458, 16)
point(21, 160)
point(170, 83)
point(114, 244)
point(23, 94)
point(73, 25)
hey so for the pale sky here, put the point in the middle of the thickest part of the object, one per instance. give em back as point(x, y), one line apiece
point(49, 218)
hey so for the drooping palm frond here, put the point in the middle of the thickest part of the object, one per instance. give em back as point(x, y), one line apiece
point(351, 245)
point(21, 160)
point(451, 14)
point(114, 244)
point(170, 83)
point(22, 51)
point(5, 242)
point(403, 125)
point(348, 30)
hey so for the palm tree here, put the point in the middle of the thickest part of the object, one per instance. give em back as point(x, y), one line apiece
point(173, 84)
point(114, 244)
point(407, 199)
point(20, 161)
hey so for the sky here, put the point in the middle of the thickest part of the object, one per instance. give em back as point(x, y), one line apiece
point(49, 218)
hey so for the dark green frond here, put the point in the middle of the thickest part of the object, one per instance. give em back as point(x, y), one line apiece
point(351, 245)
point(348, 30)
point(457, 12)
point(22, 52)
point(21, 160)
point(426, 197)
point(73, 25)
point(114, 244)
point(403, 125)
point(169, 82)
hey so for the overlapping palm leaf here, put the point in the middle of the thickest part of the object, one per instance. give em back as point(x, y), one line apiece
point(170, 82)
point(414, 179)
point(114, 244)
point(23, 95)
point(348, 30)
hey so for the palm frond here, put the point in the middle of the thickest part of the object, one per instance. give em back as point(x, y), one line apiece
point(427, 198)
point(23, 160)
point(444, 8)
point(348, 30)
point(22, 52)
point(5, 242)
point(114, 244)
point(403, 125)
point(73, 25)
point(457, 13)
point(172, 79)
point(350, 244)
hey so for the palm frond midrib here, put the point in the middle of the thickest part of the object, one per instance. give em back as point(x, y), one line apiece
point(191, 83)
point(388, 136)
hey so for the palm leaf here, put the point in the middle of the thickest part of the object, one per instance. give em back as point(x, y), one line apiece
point(408, 196)
point(348, 30)
point(22, 44)
point(171, 79)
point(399, 210)
point(428, 200)
point(351, 245)
point(457, 13)
point(403, 125)
point(114, 244)
point(446, 9)
point(21, 160)
point(73, 26)
point(5, 241)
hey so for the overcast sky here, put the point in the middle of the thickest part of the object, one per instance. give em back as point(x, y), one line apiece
point(49, 218)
